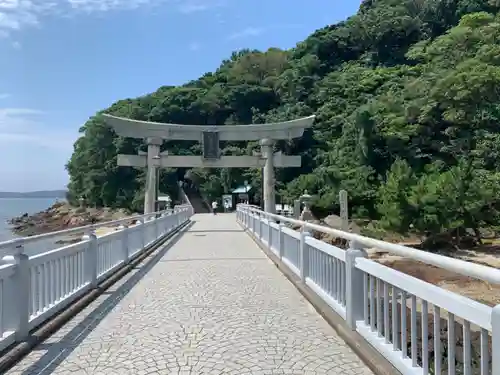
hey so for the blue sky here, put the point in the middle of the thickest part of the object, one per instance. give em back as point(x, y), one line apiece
point(63, 60)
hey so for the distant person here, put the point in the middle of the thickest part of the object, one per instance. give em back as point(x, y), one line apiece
point(214, 207)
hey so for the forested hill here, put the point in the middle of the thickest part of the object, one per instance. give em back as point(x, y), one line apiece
point(407, 98)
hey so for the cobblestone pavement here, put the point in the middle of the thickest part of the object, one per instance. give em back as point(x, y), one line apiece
point(212, 303)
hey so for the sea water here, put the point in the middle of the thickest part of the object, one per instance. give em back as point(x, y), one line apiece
point(12, 207)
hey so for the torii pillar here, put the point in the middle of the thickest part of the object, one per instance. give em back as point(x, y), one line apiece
point(153, 163)
point(209, 136)
point(269, 193)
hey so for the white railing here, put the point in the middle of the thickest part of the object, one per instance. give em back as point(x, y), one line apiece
point(419, 327)
point(34, 288)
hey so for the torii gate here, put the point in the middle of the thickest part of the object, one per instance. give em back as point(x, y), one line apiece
point(209, 136)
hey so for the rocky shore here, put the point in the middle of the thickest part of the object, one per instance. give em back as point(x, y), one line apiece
point(62, 216)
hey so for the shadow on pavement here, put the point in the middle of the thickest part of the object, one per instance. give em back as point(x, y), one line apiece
point(57, 352)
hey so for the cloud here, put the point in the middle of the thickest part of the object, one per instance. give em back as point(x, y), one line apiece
point(192, 8)
point(107, 5)
point(188, 7)
point(249, 31)
point(16, 15)
point(4, 96)
point(252, 31)
point(194, 47)
point(26, 125)
point(36, 153)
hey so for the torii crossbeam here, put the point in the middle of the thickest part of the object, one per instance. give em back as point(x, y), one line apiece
point(209, 136)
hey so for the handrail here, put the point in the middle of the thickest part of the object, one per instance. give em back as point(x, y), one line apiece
point(458, 266)
point(399, 315)
point(184, 195)
point(63, 274)
point(10, 244)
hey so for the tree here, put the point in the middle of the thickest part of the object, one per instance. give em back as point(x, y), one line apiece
point(407, 102)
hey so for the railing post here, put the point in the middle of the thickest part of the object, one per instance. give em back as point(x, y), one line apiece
point(354, 285)
point(164, 223)
point(22, 294)
point(161, 232)
point(269, 231)
point(260, 227)
point(157, 229)
point(495, 338)
point(304, 254)
point(125, 243)
point(142, 232)
point(281, 240)
point(91, 255)
point(170, 222)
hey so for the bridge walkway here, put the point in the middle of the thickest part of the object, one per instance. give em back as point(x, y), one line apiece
point(208, 302)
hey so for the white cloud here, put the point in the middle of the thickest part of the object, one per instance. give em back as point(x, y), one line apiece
point(27, 125)
point(256, 31)
point(35, 153)
point(107, 5)
point(192, 8)
point(194, 47)
point(249, 31)
point(4, 96)
point(19, 14)
point(188, 7)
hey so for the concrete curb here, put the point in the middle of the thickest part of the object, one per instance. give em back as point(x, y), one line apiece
point(372, 358)
point(10, 356)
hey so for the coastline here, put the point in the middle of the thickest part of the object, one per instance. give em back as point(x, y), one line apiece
point(60, 216)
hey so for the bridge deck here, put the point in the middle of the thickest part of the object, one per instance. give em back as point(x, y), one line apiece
point(211, 303)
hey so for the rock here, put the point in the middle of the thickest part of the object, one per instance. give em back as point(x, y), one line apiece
point(334, 221)
point(299, 227)
point(62, 216)
point(75, 221)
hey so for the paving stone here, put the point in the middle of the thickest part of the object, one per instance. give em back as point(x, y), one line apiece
point(212, 303)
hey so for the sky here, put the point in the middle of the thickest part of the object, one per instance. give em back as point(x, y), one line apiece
point(61, 61)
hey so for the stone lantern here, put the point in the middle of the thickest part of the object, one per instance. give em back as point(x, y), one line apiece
point(306, 214)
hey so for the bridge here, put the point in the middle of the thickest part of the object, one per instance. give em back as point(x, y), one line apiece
point(244, 293)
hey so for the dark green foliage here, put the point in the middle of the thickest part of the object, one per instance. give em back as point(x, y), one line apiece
point(407, 98)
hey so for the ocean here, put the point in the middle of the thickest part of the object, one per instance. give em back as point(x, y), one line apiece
point(11, 207)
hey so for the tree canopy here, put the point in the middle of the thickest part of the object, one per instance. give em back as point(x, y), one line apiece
point(407, 99)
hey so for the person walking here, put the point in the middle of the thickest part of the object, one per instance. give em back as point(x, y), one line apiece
point(227, 206)
point(214, 207)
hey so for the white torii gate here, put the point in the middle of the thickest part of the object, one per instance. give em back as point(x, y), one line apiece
point(209, 136)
